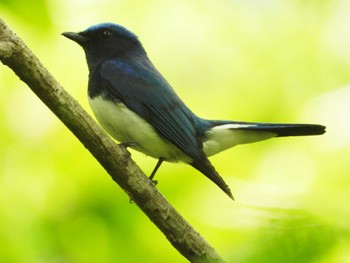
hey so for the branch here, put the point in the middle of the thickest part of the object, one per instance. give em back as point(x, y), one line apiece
point(115, 159)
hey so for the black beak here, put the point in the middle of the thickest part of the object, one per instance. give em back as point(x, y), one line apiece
point(76, 37)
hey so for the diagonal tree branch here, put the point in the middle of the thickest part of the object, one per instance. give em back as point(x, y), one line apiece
point(115, 159)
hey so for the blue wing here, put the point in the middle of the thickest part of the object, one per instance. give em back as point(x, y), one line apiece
point(142, 89)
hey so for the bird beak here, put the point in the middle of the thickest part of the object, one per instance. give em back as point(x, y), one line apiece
point(76, 37)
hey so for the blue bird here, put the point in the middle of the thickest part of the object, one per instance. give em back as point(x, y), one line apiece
point(136, 105)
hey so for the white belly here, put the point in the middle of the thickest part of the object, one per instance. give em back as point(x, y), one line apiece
point(126, 126)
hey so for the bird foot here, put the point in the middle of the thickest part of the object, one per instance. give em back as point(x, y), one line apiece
point(128, 144)
point(155, 182)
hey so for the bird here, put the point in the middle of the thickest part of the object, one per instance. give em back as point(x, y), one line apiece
point(136, 105)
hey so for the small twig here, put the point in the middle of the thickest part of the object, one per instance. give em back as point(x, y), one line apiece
point(115, 159)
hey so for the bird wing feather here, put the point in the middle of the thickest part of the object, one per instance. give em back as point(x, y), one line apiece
point(151, 97)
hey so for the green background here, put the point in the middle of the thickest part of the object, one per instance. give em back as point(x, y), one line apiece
point(272, 61)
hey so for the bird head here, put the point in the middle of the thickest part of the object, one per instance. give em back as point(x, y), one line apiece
point(105, 41)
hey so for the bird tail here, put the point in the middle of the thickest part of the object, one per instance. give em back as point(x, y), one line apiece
point(205, 167)
point(225, 134)
point(282, 129)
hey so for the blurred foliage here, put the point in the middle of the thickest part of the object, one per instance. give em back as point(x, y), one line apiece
point(277, 61)
point(29, 13)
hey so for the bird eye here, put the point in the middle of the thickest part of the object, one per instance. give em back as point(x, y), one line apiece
point(105, 34)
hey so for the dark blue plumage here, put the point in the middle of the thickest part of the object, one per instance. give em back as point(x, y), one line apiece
point(135, 104)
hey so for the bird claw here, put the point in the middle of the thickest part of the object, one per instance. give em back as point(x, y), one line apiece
point(155, 182)
point(128, 144)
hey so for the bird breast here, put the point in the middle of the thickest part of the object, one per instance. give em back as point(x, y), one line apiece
point(126, 126)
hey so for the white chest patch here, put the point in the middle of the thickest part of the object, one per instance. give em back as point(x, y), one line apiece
point(126, 126)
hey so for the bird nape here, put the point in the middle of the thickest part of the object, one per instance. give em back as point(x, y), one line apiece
point(136, 105)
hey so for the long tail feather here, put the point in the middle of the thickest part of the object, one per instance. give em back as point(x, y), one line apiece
point(283, 129)
point(226, 134)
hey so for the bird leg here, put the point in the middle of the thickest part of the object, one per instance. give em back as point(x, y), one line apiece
point(128, 144)
point(160, 160)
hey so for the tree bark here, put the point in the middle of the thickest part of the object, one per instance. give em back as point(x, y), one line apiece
point(114, 158)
